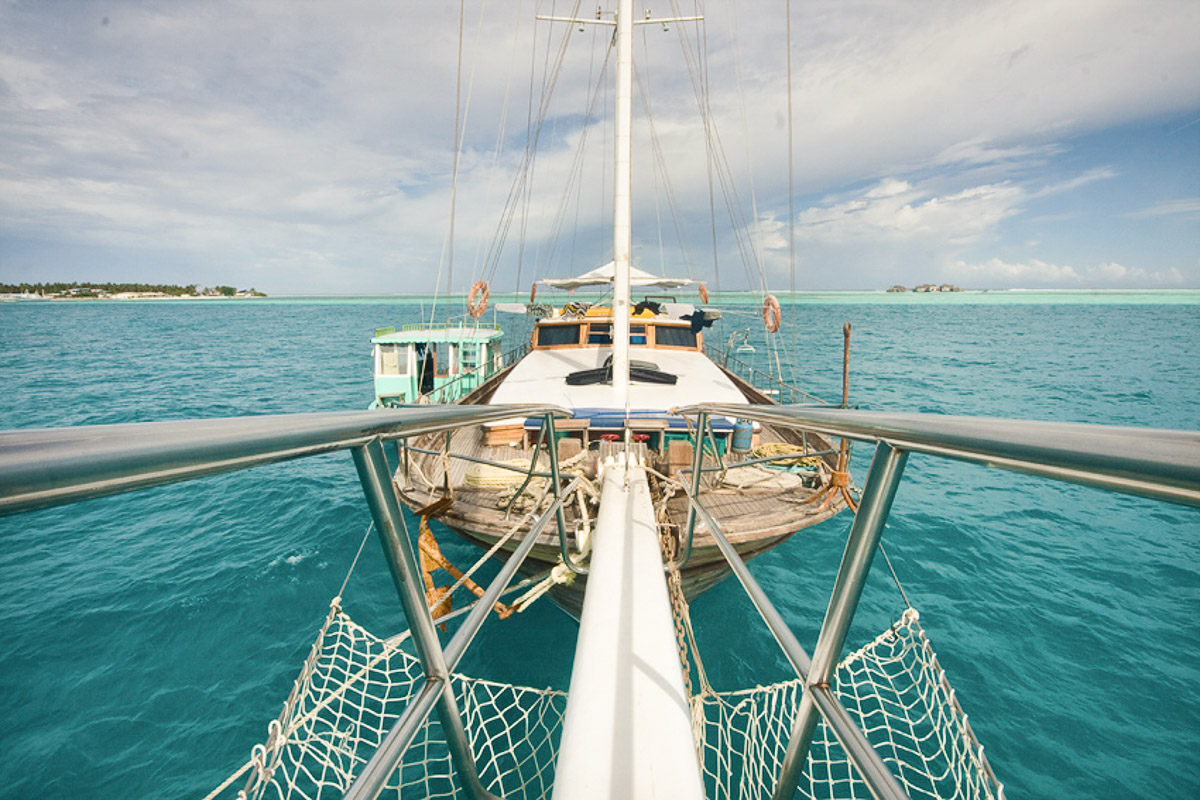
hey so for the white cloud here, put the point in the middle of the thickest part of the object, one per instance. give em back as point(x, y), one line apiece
point(265, 131)
point(1037, 273)
point(1187, 207)
point(894, 210)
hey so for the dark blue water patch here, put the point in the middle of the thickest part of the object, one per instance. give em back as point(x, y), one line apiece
point(150, 637)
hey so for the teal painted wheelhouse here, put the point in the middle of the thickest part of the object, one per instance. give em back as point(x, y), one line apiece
point(438, 362)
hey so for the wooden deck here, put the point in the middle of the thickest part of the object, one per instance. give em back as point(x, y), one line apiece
point(753, 519)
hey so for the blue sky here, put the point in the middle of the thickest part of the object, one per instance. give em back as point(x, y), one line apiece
point(304, 147)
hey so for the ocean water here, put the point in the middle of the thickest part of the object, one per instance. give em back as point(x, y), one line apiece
point(148, 638)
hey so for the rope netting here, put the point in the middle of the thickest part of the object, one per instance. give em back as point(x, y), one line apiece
point(897, 693)
point(354, 686)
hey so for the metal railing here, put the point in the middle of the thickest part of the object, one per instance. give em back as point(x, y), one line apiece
point(768, 384)
point(450, 326)
point(1160, 464)
point(443, 393)
point(41, 468)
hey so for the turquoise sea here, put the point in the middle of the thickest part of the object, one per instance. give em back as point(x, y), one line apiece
point(148, 638)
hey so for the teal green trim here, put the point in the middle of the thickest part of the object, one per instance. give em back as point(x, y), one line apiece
point(411, 334)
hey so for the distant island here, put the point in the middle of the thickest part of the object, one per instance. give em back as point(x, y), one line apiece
point(117, 291)
point(927, 287)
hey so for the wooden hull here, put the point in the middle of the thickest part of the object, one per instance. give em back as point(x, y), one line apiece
point(754, 518)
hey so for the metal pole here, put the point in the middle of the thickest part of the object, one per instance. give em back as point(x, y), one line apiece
point(552, 451)
point(846, 365)
point(886, 468)
point(697, 461)
point(464, 635)
point(402, 561)
point(392, 749)
point(870, 766)
point(622, 208)
point(779, 629)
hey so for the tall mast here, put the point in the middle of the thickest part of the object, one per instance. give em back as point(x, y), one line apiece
point(622, 183)
point(622, 208)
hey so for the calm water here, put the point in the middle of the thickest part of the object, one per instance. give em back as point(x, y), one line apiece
point(149, 638)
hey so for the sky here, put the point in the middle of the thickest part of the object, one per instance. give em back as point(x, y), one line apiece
point(305, 147)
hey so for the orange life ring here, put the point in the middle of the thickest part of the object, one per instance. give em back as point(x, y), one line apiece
point(703, 293)
point(476, 309)
point(771, 314)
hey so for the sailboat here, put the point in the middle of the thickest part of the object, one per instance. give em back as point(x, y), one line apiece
point(640, 718)
point(619, 368)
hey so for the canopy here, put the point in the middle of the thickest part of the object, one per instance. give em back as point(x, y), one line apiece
point(603, 276)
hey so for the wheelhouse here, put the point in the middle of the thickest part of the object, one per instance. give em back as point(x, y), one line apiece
point(445, 361)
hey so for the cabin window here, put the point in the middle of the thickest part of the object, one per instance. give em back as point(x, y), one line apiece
point(674, 336)
point(467, 355)
point(446, 359)
point(393, 359)
point(600, 333)
point(435, 359)
point(495, 355)
point(637, 334)
point(558, 335)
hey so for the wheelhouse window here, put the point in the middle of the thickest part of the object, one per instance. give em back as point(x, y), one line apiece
point(600, 333)
point(637, 334)
point(674, 336)
point(393, 359)
point(435, 359)
point(467, 356)
point(558, 335)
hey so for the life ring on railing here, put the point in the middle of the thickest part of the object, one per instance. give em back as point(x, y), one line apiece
point(476, 303)
point(703, 293)
point(771, 314)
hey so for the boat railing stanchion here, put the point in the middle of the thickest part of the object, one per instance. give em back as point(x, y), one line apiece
point(869, 765)
point(697, 463)
point(887, 466)
point(402, 562)
point(537, 448)
point(555, 484)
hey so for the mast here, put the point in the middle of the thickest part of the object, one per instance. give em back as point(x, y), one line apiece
point(622, 183)
point(622, 203)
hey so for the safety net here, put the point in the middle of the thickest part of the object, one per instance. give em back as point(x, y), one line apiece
point(354, 686)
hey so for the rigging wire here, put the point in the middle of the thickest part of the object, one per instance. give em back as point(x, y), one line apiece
point(502, 128)
point(706, 116)
point(447, 256)
point(791, 169)
point(586, 125)
point(575, 173)
point(724, 171)
point(526, 195)
point(523, 176)
point(660, 162)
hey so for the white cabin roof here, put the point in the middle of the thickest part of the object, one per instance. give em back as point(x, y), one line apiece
point(541, 377)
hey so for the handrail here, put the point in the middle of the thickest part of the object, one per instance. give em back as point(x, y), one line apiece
point(485, 374)
point(447, 326)
point(1150, 462)
point(45, 467)
point(756, 377)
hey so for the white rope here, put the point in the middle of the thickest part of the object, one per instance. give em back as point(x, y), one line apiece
point(354, 563)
